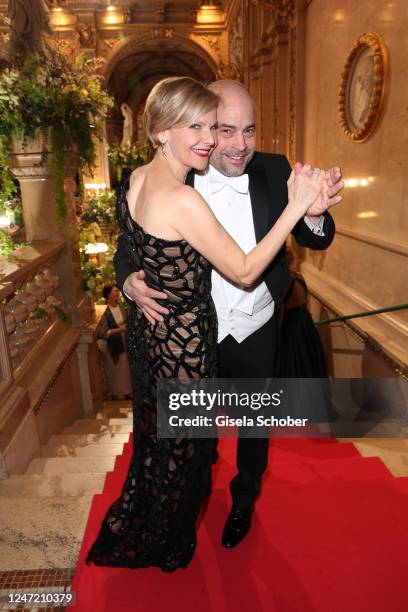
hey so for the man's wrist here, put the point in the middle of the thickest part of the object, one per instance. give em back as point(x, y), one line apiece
point(315, 227)
point(314, 220)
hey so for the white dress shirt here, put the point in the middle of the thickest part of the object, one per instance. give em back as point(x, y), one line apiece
point(240, 311)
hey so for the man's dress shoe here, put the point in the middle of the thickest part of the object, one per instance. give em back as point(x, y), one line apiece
point(237, 526)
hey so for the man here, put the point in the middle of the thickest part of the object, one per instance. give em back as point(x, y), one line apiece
point(247, 192)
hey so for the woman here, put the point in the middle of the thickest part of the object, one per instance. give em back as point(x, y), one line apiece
point(113, 331)
point(174, 236)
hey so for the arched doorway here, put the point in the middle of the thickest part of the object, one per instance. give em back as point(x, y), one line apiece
point(135, 65)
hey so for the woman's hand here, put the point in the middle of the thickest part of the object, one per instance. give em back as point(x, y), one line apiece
point(304, 185)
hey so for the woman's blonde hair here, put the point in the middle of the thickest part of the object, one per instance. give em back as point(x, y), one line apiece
point(174, 103)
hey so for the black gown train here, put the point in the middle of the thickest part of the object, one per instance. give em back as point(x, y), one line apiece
point(153, 523)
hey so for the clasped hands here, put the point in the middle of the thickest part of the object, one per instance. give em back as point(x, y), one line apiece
point(329, 191)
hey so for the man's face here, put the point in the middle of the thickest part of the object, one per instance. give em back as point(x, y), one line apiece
point(236, 135)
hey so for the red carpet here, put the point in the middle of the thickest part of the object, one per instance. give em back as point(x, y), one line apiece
point(329, 535)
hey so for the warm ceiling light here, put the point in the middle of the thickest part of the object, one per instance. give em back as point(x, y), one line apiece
point(111, 15)
point(210, 12)
point(62, 17)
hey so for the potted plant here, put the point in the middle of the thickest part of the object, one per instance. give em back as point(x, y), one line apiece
point(63, 105)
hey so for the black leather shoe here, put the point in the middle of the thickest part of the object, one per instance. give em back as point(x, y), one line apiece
point(237, 526)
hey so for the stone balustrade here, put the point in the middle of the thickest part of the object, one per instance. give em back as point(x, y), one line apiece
point(30, 298)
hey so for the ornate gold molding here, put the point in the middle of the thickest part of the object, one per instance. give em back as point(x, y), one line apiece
point(282, 11)
point(371, 87)
point(214, 42)
point(119, 48)
point(229, 71)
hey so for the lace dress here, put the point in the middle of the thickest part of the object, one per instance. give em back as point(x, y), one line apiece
point(153, 523)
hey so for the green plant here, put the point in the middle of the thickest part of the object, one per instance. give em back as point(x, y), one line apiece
point(129, 156)
point(65, 102)
point(60, 313)
point(94, 272)
point(6, 244)
point(100, 208)
point(38, 314)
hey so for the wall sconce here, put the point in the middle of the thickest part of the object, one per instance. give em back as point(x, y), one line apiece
point(210, 12)
point(111, 15)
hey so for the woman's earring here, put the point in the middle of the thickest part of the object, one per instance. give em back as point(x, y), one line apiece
point(162, 149)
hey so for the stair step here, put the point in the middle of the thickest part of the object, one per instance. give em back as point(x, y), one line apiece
point(52, 485)
point(42, 533)
point(79, 440)
point(118, 404)
point(104, 421)
point(73, 465)
point(113, 411)
point(114, 414)
point(91, 450)
point(89, 428)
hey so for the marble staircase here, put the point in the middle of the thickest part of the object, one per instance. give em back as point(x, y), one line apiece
point(43, 512)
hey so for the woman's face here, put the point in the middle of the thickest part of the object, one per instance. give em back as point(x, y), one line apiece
point(114, 295)
point(193, 145)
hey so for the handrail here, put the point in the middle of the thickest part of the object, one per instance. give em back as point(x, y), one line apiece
point(364, 313)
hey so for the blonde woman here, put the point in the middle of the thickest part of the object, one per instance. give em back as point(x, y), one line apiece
point(173, 235)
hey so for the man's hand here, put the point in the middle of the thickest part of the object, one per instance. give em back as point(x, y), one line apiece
point(145, 298)
point(328, 195)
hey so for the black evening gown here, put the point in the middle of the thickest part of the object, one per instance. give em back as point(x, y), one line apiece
point(153, 523)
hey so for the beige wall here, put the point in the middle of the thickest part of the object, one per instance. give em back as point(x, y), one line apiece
point(366, 267)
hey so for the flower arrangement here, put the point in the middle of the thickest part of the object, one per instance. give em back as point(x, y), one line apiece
point(65, 102)
point(96, 271)
point(100, 208)
point(129, 155)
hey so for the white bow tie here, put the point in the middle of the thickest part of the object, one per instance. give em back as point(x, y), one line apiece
point(238, 183)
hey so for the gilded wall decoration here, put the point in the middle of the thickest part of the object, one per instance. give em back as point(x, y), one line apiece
point(87, 36)
point(214, 42)
point(282, 11)
point(66, 44)
point(105, 45)
point(236, 47)
point(154, 38)
point(229, 71)
point(292, 153)
point(362, 87)
point(161, 33)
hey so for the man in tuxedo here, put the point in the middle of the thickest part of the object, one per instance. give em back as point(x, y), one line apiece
point(247, 192)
